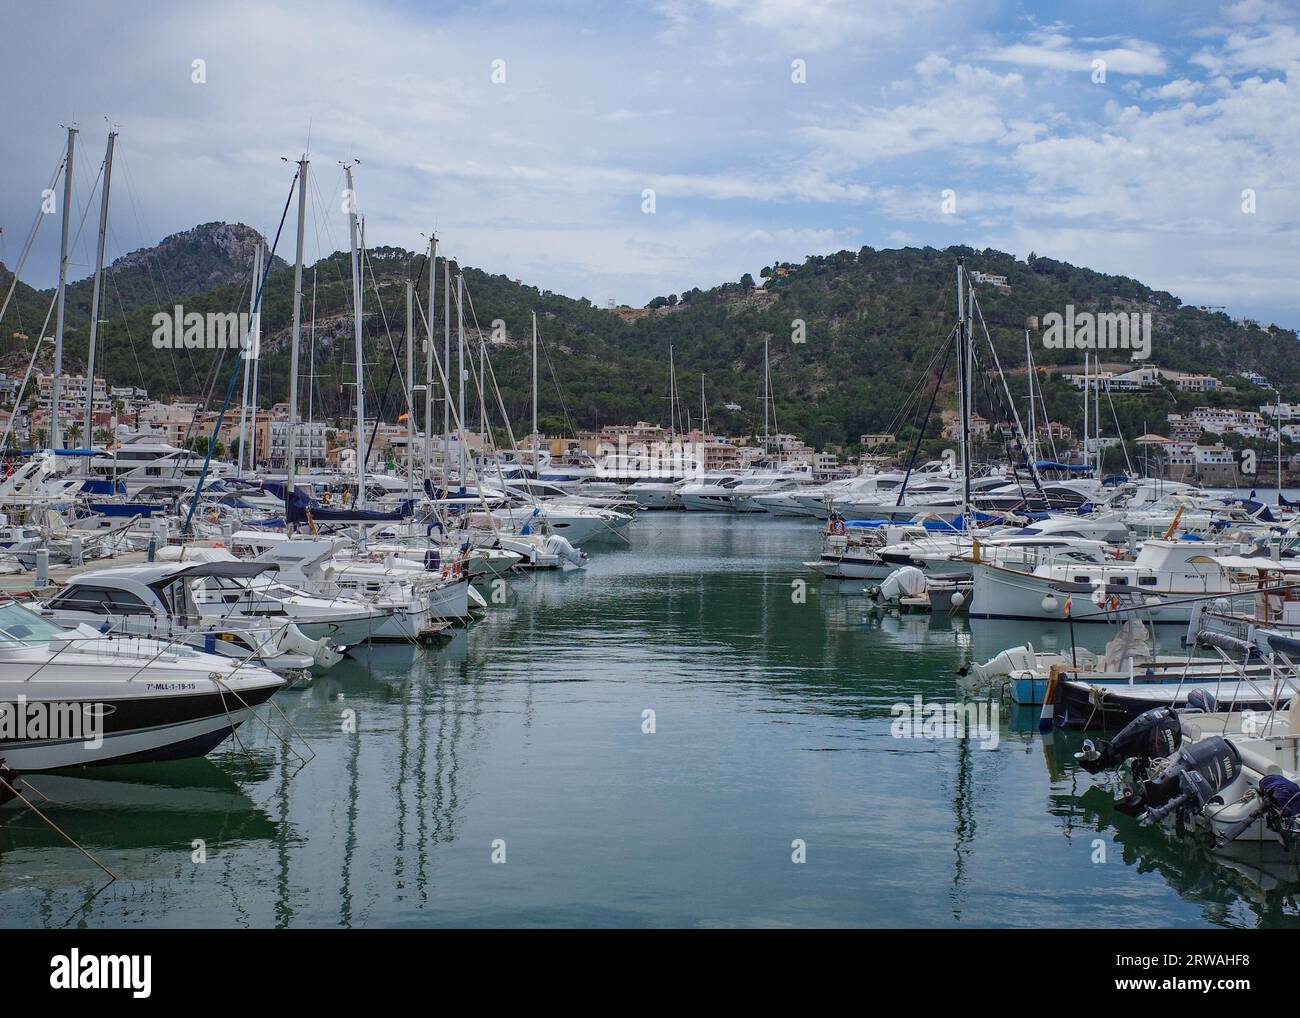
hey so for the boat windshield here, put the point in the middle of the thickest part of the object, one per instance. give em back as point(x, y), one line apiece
point(20, 626)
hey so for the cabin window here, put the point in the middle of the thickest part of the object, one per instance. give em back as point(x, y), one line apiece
point(1083, 579)
point(1146, 581)
point(123, 602)
point(99, 601)
point(81, 599)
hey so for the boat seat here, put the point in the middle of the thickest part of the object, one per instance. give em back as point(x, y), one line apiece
point(1257, 762)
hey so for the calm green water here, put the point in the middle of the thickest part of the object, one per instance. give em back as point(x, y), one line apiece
point(772, 724)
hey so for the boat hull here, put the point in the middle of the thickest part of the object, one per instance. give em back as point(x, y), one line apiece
point(144, 729)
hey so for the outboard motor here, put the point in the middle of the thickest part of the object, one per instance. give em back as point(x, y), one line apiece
point(1200, 772)
point(1152, 734)
point(1202, 700)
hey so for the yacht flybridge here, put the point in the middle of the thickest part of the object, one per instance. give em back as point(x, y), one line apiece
point(144, 462)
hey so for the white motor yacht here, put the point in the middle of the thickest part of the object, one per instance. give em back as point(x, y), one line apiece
point(165, 601)
point(134, 699)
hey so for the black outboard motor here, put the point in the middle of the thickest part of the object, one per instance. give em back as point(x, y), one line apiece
point(1153, 733)
point(1202, 770)
point(1202, 700)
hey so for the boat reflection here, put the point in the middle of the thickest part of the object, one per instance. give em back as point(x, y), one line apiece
point(116, 812)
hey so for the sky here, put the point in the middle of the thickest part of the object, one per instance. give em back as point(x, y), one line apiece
point(1159, 140)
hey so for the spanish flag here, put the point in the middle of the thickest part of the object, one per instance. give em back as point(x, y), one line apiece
point(403, 417)
point(1066, 609)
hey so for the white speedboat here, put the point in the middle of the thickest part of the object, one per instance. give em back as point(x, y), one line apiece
point(321, 566)
point(711, 493)
point(146, 462)
point(340, 622)
point(115, 699)
point(1234, 775)
point(747, 490)
point(160, 601)
point(656, 494)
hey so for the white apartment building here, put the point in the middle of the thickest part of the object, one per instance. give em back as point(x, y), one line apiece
point(309, 445)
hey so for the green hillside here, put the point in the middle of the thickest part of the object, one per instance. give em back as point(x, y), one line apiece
point(872, 323)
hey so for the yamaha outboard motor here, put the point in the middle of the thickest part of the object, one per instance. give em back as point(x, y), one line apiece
point(1201, 771)
point(1153, 733)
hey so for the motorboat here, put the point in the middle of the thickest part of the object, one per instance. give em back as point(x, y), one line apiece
point(1162, 583)
point(710, 493)
point(340, 622)
point(117, 699)
point(166, 601)
point(321, 566)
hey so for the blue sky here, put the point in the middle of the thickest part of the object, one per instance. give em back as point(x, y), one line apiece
point(541, 176)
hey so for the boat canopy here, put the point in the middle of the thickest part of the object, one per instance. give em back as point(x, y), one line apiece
point(224, 570)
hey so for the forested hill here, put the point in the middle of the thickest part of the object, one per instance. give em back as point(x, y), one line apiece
point(872, 322)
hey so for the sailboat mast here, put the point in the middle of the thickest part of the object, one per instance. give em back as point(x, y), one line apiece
point(460, 365)
point(255, 319)
point(672, 398)
point(410, 388)
point(1096, 413)
point(356, 328)
point(767, 396)
point(482, 398)
point(87, 434)
point(970, 387)
point(963, 384)
point(428, 357)
point(243, 399)
point(1033, 431)
point(291, 430)
point(535, 460)
point(311, 355)
point(1087, 386)
point(446, 369)
point(55, 442)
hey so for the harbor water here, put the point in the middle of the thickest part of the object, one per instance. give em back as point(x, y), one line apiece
point(681, 734)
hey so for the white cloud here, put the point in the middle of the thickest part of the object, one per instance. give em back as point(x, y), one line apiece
point(825, 24)
point(1255, 10)
point(1179, 89)
point(961, 108)
point(1278, 49)
point(1054, 51)
point(542, 177)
